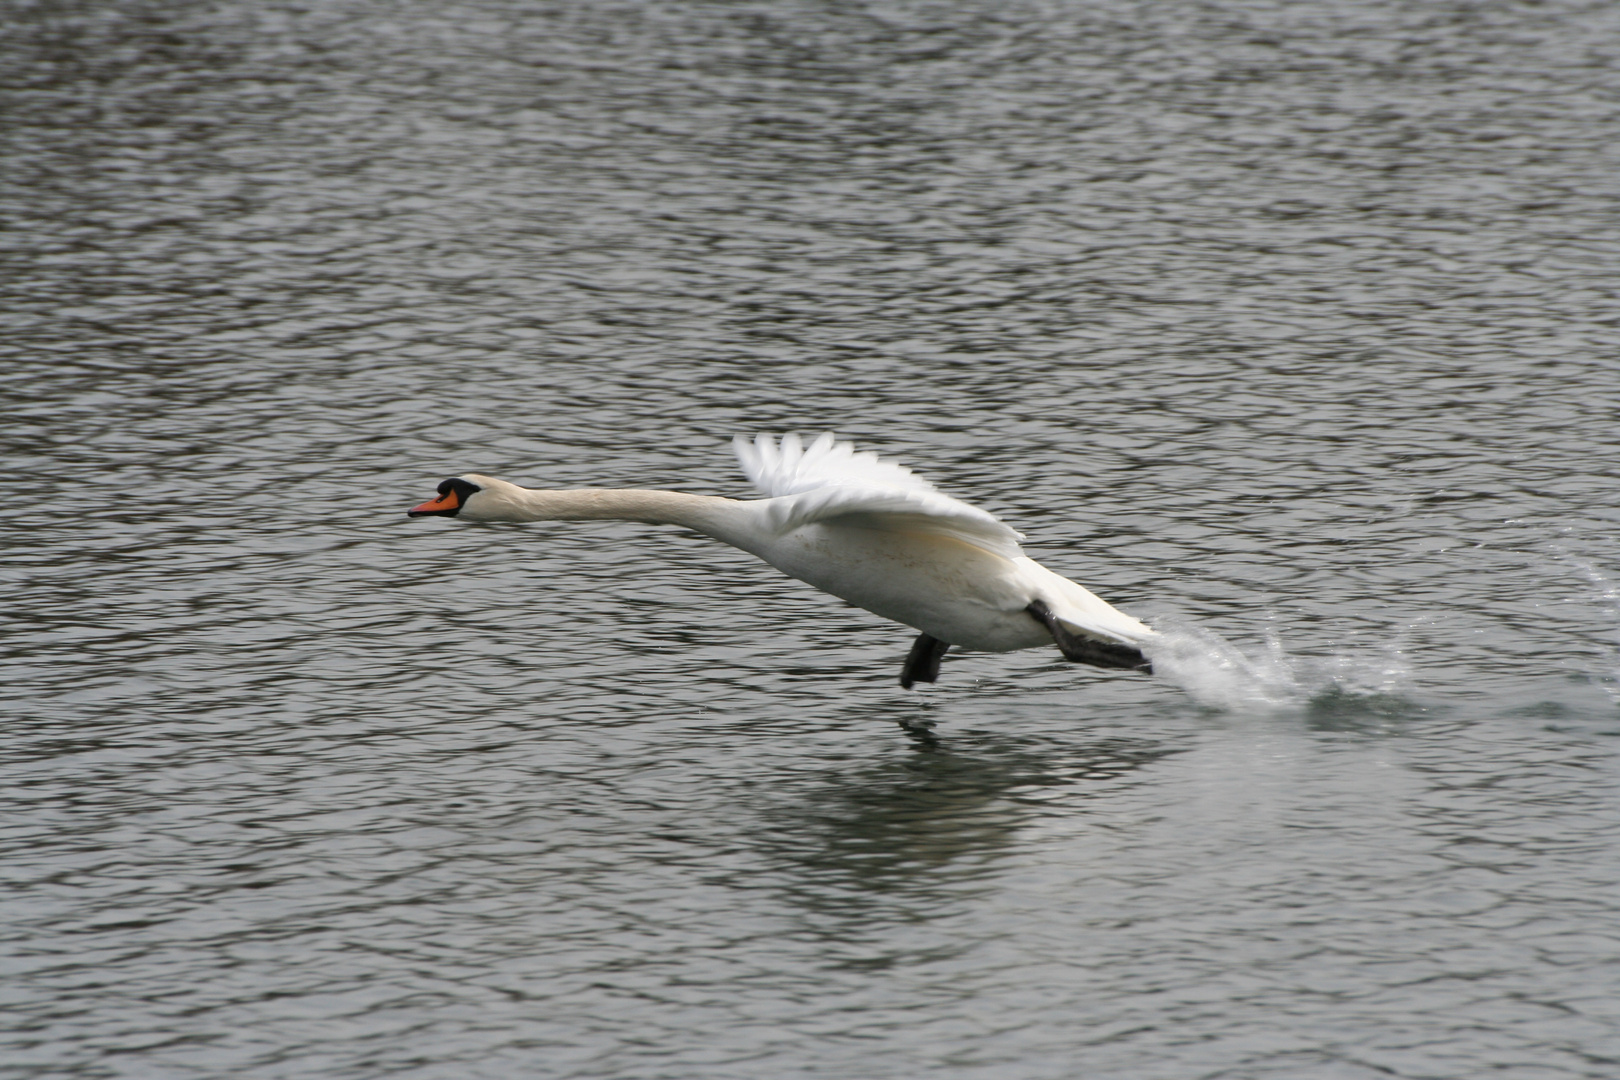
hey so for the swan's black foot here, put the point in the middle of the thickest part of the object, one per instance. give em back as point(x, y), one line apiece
point(922, 663)
point(1084, 650)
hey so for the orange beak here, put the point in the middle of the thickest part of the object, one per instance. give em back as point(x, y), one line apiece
point(447, 501)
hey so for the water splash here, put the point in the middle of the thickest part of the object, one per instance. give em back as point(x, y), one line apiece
point(1606, 597)
point(1222, 675)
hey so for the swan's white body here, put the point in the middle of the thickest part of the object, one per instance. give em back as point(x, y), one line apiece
point(864, 530)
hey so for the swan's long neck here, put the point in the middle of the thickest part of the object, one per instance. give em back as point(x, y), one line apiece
point(727, 520)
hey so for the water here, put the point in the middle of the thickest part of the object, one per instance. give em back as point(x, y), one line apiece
point(1288, 327)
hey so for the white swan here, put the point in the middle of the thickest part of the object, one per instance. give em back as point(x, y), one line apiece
point(867, 531)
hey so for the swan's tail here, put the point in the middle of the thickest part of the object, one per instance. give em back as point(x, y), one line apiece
point(1081, 611)
point(1084, 648)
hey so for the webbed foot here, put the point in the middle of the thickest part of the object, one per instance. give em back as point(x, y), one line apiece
point(1084, 650)
point(922, 663)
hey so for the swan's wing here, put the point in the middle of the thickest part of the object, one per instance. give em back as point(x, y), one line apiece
point(828, 480)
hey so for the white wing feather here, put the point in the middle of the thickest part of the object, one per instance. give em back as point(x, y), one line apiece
point(828, 480)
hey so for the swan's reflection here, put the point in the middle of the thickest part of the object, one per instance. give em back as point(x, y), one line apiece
point(919, 829)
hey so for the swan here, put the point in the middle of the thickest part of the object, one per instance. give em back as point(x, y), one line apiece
point(865, 530)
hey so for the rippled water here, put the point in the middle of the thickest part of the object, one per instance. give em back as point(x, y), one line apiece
point(1290, 327)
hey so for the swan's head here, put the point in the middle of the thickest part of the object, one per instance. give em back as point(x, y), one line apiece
point(454, 494)
point(476, 498)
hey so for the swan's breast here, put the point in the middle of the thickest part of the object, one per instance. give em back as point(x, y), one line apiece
point(939, 584)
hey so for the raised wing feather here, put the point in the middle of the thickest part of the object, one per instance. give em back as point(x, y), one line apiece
point(828, 480)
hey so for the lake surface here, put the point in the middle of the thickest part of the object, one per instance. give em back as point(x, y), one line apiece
point(1291, 328)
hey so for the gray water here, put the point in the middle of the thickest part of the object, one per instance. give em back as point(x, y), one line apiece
point(1289, 327)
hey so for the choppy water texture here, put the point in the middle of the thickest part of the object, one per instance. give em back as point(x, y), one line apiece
point(1291, 327)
